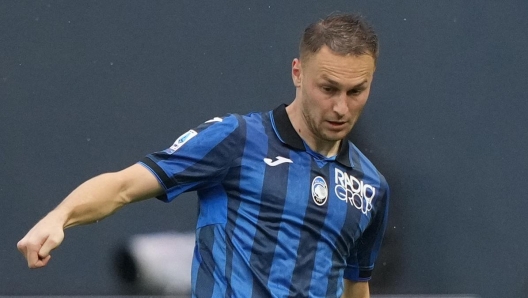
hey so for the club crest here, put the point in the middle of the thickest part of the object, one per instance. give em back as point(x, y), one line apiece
point(319, 191)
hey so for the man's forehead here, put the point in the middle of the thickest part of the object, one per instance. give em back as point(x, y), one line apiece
point(326, 53)
point(336, 81)
point(329, 62)
point(351, 72)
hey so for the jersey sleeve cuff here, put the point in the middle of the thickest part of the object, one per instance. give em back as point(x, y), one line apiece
point(158, 173)
point(356, 274)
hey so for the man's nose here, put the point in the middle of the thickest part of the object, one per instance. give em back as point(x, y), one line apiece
point(340, 104)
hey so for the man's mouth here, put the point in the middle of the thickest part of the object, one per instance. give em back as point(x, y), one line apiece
point(336, 124)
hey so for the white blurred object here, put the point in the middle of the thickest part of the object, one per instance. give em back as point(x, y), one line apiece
point(162, 262)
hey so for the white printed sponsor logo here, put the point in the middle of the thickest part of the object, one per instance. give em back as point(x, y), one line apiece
point(184, 138)
point(319, 191)
point(277, 162)
point(349, 189)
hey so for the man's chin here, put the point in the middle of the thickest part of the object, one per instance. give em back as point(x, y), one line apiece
point(335, 136)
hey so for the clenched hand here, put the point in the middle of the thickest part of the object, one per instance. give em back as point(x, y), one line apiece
point(45, 236)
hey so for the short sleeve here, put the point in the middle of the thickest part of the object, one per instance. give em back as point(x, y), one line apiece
point(360, 262)
point(198, 159)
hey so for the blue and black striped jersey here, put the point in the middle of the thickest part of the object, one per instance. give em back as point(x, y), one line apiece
point(276, 219)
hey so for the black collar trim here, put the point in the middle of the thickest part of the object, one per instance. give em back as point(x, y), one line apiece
point(287, 134)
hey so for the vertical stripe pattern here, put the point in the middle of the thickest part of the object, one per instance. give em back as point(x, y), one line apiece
point(261, 232)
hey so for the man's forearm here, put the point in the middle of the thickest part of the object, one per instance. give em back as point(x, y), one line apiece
point(93, 200)
point(355, 289)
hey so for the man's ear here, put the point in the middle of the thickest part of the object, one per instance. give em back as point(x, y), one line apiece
point(296, 72)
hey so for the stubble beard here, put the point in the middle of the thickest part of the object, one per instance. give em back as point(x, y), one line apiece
point(316, 130)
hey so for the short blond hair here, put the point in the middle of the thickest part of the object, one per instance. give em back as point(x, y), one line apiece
point(344, 34)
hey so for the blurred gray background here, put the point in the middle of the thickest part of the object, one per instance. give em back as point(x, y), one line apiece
point(92, 86)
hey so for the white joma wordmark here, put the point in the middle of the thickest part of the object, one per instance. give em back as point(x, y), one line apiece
point(277, 162)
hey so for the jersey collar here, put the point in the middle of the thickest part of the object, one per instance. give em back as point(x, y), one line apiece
point(287, 134)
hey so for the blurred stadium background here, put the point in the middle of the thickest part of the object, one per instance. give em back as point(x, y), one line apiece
point(92, 86)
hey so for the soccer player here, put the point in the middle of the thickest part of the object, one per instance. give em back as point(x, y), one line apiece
point(288, 206)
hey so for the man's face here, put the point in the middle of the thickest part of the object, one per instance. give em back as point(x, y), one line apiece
point(332, 89)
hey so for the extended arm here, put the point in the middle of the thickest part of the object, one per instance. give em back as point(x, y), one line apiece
point(356, 289)
point(93, 200)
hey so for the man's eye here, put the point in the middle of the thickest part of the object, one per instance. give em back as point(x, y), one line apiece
point(328, 89)
point(355, 91)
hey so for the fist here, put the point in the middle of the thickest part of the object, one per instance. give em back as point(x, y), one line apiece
point(36, 246)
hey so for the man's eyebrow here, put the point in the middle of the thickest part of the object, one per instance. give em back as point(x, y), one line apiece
point(329, 80)
point(361, 84)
